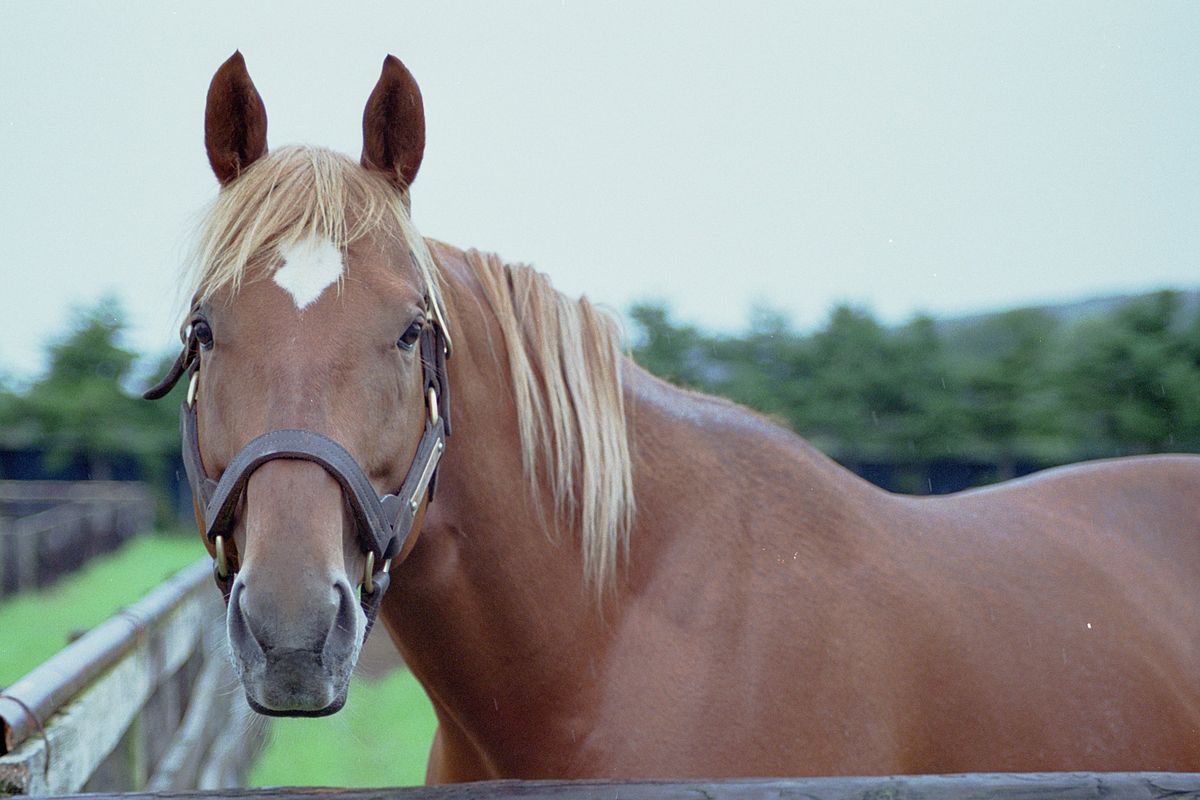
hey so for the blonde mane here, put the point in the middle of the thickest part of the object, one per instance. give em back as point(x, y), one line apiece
point(565, 360)
point(564, 354)
point(297, 193)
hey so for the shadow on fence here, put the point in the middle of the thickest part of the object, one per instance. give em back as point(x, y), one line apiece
point(145, 701)
point(49, 529)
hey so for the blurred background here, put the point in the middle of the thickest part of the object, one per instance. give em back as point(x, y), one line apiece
point(948, 243)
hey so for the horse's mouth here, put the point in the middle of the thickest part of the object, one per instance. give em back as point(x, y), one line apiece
point(295, 683)
point(297, 696)
point(332, 708)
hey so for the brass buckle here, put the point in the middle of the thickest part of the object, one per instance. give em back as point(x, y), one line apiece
point(439, 319)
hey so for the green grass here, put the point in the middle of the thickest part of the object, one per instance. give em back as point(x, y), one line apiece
point(35, 625)
point(380, 738)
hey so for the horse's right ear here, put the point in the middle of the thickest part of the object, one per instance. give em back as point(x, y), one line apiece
point(235, 121)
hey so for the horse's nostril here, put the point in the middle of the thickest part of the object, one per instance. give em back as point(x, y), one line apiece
point(240, 632)
point(347, 604)
point(344, 634)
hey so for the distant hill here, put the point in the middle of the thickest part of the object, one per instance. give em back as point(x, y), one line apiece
point(1076, 310)
point(980, 337)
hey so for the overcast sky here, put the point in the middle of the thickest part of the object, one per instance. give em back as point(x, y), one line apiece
point(946, 157)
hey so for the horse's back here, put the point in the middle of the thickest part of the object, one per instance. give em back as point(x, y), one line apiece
point(1147, 504)
point(778, 602)
point(1069, 633)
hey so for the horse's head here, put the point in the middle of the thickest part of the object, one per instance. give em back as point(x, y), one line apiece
point(310, 342)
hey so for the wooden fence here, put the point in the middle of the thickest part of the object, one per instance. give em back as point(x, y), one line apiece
point(1053, 786)
point(51, 528)
point(144, 701)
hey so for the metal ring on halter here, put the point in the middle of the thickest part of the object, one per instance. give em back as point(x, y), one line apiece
point(369, 573)
point(221, 561)
point(193, 385)
point(433, 406)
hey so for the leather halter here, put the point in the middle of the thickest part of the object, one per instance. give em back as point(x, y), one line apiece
point(382, 524)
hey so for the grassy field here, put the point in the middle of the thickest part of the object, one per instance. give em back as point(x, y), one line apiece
point(35, 625)
point(381, 737)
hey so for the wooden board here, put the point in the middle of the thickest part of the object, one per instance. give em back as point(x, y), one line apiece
point(1059, 786)
point(209, 718)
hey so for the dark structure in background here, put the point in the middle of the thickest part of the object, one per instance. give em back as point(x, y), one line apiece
point(49, 529)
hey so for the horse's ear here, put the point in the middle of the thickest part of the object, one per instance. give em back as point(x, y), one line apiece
point(235, 121)
point(394, 125)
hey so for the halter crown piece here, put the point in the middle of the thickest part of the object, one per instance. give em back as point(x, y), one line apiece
point(382, 524)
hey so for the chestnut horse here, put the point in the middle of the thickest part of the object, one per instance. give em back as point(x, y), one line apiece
point(616, 577)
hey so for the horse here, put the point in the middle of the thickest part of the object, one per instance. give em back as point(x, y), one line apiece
point(594, 573)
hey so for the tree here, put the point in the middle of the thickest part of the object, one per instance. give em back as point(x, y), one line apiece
point(80, 411)
point(1016, 390)
point(1134, 378)
point(1014, 407)
point(668, 350)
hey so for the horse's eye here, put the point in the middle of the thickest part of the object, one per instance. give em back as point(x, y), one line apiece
point(203, 333)
point(409, 340)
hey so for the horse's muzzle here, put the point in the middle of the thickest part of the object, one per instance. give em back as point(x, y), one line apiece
point(298, 665)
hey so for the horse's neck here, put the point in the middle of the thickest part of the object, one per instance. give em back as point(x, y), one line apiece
point(491, 610)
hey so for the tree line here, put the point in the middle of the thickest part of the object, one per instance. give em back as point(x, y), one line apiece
point(1007, 393)
point(1001, 394)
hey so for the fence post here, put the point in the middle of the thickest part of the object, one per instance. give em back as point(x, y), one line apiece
point(25, 554)
point(5, 555)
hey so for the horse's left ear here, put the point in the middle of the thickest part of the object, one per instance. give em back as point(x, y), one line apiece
point(394, 125)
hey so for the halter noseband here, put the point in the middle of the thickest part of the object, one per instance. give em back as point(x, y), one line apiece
point(382, 524)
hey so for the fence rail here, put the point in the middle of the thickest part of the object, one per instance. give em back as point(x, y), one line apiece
point(146, 700)
point(51, 528)
point(1071, 786)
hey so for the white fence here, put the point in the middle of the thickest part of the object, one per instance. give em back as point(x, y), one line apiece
point(145, 701)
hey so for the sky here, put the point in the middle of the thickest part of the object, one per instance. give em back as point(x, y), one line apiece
point(940, 157)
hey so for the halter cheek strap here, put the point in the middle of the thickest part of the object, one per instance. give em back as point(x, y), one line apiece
point(382, 524)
